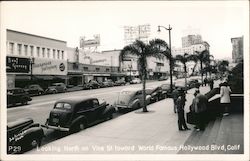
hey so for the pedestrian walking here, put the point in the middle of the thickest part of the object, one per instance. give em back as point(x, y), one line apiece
point(211, 84)
point(199, 107)
point(225, 100)
point(180, 109)
point(205, 81)
point(175, 95)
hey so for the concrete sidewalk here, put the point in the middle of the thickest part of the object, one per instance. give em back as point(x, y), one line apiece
point(154, 132)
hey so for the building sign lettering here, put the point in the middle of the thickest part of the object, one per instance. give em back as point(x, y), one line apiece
point(44, 66)
point(17, 65)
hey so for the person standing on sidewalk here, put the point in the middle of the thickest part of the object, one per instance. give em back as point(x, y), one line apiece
point(180, 102)
point(225, 101)
point(211, 84)
point(175, 96)
point(199, 107)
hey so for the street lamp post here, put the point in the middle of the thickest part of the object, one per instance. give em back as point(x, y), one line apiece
point(31, 68)
point(170, 53)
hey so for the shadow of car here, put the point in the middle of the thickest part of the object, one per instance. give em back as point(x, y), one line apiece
point(76, 113)
point(131, 98)
point(23, 135)
point(56, 88)
point(17, 95)
point(34, 89)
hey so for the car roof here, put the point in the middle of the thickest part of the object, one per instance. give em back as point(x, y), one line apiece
point(75, 99)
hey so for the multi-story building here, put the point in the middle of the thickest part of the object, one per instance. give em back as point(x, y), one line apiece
point(237, 52)
point(191, 40)
point(31, 58)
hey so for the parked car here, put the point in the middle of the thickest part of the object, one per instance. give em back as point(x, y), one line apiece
point(17, 95)
point(155, 92)
point(92, 85)
point(135, 81)
point(120, 82)
point(76, 113)
point(166, 91)
point(23, 135)
point(34, 89)
point(193, 83)
point(56, 88)
point(163, 78)
point(131, 98)
point(107, 83)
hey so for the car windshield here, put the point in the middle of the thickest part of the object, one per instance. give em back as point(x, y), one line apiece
point(63, 106)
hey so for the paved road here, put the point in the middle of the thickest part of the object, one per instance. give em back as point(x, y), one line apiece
point(40, 107)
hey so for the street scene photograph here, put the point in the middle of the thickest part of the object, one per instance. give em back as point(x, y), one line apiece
point(124, 80)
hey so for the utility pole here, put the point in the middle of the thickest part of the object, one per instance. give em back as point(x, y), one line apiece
point(170, 53)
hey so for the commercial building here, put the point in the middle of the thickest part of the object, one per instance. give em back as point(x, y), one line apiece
point(32, 58)
point(191, 40)
point(237, 52)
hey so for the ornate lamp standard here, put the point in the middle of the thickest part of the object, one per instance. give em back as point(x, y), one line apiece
point(171, 59)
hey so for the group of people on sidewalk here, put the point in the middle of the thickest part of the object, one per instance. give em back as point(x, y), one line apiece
point(198, 108)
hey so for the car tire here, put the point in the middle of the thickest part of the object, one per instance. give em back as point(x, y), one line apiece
point(40, 93)
point(54, 92)
point(24, 102)
point(34, 143)
point(80, 125)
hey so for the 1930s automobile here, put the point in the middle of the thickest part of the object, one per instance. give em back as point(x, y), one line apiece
point(131, 98)
point(76, 113)
point(17, 95)
point(23, 135)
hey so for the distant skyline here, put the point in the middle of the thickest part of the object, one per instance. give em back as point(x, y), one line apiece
point(216, 22)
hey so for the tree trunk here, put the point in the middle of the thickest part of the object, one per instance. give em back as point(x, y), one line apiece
point(144, 107)
point(201, 74)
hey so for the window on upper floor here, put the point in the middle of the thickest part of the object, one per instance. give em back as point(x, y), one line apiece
point(43, 52)
point(11, 48)
point(48, 53)
point(54, 53)
point(97, 69)
point(85, 68)
point(32, 50)
point(26, 50)
point(62, 54)
point(19, 49)
point(38, 51)
point(58, 54)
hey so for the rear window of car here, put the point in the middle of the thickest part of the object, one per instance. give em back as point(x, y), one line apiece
point(65, 106)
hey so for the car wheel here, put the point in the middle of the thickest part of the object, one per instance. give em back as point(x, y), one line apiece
point(54, 92)
point(34, 143)
point(40, 93)
point(156, 99)
point(24, 102)
point(81, 126)
point(90, 87)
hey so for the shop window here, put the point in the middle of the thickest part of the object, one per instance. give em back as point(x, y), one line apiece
point(97, 69)
point(85, 68)
point(107, 69)
point(19, 49)
point(11, 48)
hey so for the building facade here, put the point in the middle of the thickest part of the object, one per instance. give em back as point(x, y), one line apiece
point(191, 40)
point(31, 58)
point(237, 52)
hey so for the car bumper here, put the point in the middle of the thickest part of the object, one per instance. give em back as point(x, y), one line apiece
point(58, 128)
point(123, 106)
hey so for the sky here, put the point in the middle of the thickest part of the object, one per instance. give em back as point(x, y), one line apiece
point(217, 22)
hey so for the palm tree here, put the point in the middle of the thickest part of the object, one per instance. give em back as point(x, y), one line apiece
point(184, 59)
point(142, 51)
point(202, 57)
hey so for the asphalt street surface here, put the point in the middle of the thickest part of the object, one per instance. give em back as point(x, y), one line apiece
point(39, 108)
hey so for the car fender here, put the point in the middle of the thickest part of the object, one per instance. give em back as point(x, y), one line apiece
point(80, 118)
point(134, 103)
point(108, 110)
point(148, 98)
point(28, 134)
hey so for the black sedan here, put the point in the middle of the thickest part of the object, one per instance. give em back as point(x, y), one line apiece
point(76, 113)
point(17, 95)
point(155, 92)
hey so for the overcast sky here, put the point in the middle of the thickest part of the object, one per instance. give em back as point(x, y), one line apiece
point(217, 22)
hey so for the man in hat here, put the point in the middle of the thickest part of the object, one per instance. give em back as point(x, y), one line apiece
point(199, 107)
